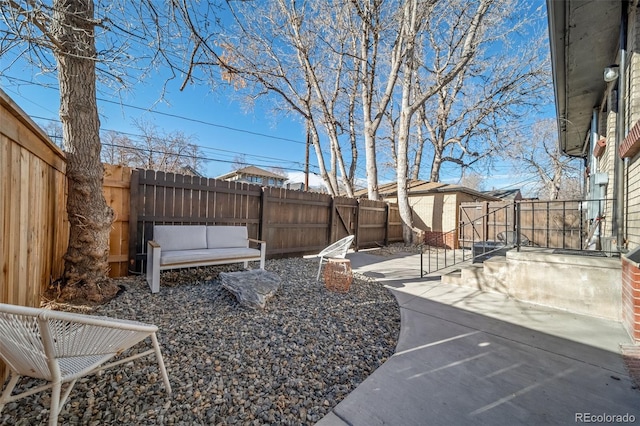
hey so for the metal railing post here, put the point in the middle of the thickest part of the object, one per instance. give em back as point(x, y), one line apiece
point(564, 223)
point(518, 225)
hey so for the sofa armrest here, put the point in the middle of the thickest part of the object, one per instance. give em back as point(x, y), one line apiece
point(263, 250)
point(153, 265)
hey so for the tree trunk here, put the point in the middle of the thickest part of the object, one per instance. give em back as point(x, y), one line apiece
point(410, 234)
point(371, 162)
point(90, 218)
point(436, 164)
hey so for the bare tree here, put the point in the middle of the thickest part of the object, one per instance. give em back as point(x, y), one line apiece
point(417, 16)
point(472, 180)
point(470, 69)
point(286, 72)
point(169, 152)
point(239, 161)
point(304, 59)
point(470, 118)
point(61, 36)
point(375, 76)
point(153, 149)
point(53, 129)
point(118, 149)
point(538, 152)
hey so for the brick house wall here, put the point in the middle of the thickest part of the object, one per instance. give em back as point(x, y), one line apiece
point(630, 268)
point(632, 197)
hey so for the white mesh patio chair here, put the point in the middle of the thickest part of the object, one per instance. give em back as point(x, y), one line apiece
point(337, 250)
point(61, 347)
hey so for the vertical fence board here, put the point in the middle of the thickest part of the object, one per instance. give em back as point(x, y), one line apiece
point(372, 225)
point(168, 198)
point(552, 224)
point(292, 222)
point(117, 188)
point(33, 229)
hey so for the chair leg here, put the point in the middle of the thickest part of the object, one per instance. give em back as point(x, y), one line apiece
point(163, 370)
point(319, 268)
point(54, 409)
point(64, 397)
point(7, 392)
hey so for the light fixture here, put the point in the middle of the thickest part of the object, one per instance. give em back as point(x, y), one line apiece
point(610, 73)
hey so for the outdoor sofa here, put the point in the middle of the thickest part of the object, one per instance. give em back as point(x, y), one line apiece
point(184, 246)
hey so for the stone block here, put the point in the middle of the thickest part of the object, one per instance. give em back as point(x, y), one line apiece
point(251, 288)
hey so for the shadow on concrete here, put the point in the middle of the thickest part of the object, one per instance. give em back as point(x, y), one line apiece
point(465, 356)
point(453, 366)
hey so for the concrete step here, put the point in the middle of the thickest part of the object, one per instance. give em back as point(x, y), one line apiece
point(489, 275)
point(495, 266)
point(453, 277)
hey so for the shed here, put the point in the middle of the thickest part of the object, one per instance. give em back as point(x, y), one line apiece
point(435, 207)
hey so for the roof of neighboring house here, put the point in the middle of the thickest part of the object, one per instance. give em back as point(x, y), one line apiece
point(505, 194)
point(252, 170)
point(419, 187)
point(188, 170)
point(583, 35)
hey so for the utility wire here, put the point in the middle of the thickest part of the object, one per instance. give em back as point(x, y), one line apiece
point(194, 157)
point(162, 139)
point(358, 167)
point(193, 120)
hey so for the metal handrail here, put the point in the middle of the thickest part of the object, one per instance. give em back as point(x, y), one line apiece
point(556, 232)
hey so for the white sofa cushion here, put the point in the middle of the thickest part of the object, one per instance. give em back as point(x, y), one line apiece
point(203, 255)
point(180, 237)
point(227, 237)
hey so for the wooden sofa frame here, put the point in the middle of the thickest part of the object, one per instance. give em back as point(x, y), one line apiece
point(206, 256)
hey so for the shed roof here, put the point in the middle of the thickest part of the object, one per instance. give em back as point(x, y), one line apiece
point(422, 187)
point(505, 194)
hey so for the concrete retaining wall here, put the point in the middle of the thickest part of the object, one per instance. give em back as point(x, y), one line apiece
point(582, 284)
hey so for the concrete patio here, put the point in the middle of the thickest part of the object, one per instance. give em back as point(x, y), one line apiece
point(466, 356)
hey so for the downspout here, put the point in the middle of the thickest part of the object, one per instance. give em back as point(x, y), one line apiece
point(618, 202)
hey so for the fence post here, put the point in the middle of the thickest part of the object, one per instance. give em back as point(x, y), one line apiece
point(485, 221)
point(332, 219)
point(357, 227)
point(134, 191)
point(263, 213)
point(386, 228)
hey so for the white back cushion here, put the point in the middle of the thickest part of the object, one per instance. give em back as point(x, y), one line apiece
point(180, 237)
point(227, 236)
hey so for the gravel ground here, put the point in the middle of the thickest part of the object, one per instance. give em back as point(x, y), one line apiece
point(288, 364)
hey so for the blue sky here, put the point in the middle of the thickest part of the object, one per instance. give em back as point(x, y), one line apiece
point(220, 126)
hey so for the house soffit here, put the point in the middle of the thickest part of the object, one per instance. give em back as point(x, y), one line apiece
point(584, 40)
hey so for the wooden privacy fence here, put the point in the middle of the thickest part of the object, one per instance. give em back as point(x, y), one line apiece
point(552, 224)
point(34, 232)
point(292, 222)
point(34, 228)
point(116, 187)
point(484, 221)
